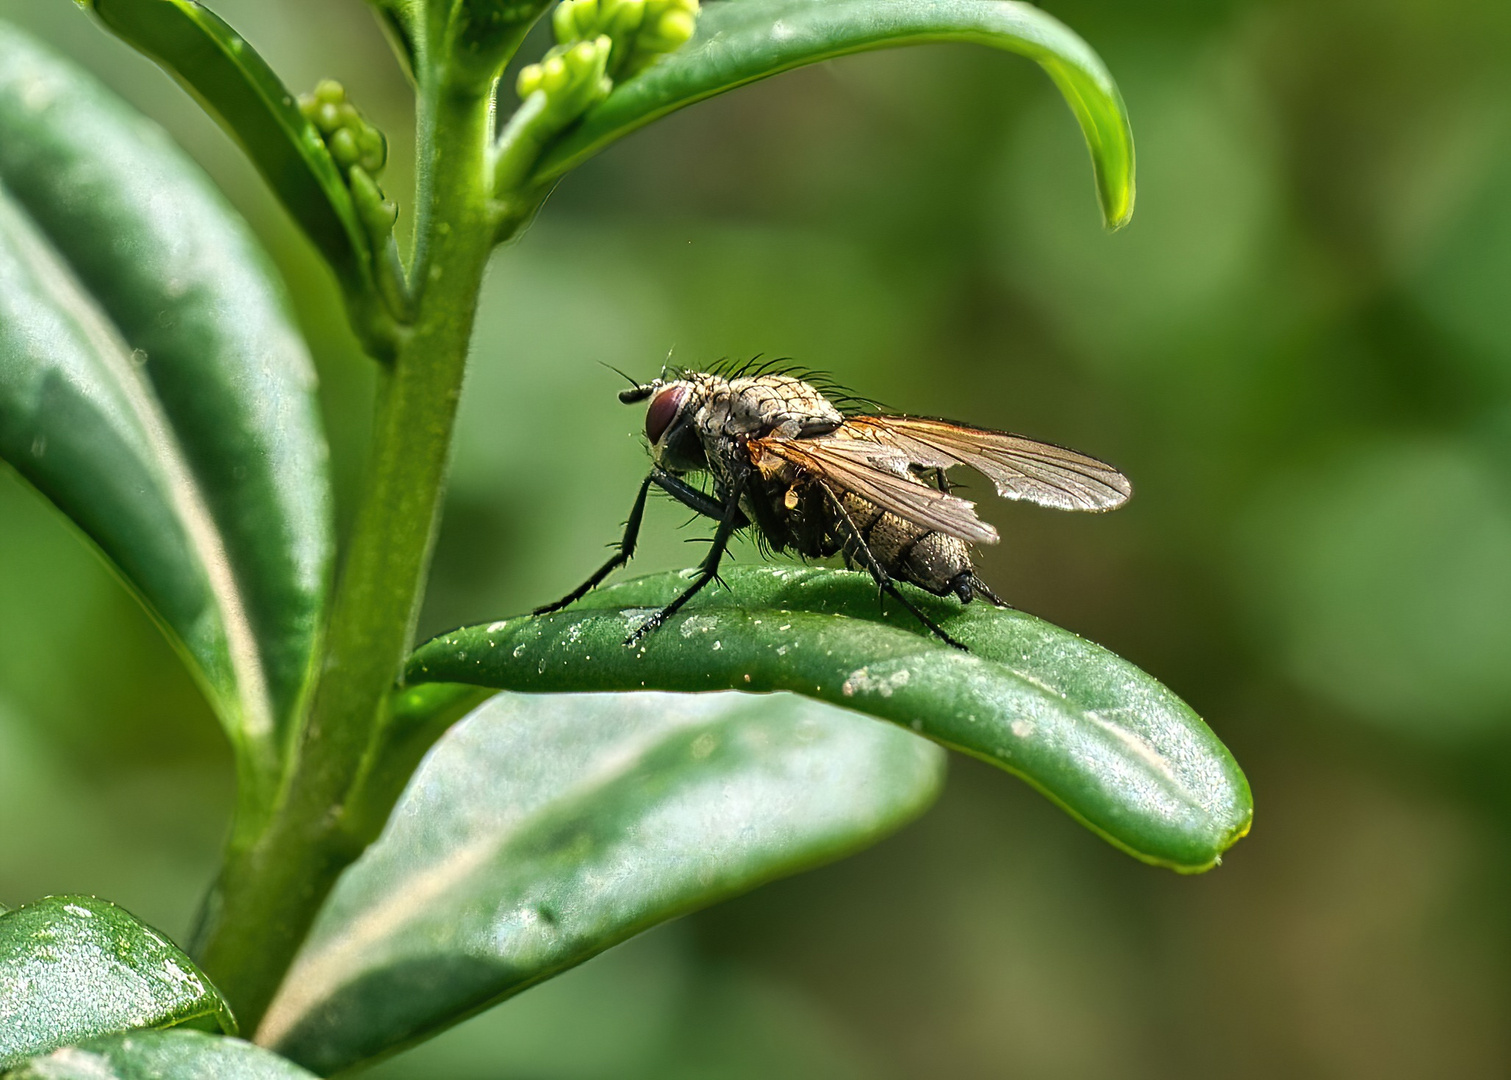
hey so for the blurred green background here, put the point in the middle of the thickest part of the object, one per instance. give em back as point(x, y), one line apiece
point(1300, 350)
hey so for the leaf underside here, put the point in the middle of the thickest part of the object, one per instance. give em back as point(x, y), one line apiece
point(546, 828)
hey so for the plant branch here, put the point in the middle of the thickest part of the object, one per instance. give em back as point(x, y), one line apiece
point(272, 888)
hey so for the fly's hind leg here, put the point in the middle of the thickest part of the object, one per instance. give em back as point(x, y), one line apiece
point(968, 586)
point(884, 581)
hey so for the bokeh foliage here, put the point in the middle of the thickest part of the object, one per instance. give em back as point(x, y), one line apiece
point(1297, 349)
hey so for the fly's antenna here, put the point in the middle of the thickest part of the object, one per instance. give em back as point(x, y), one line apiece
point(638, 390)
point(627, 378)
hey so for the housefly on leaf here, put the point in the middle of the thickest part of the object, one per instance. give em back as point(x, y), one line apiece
point(869, 487)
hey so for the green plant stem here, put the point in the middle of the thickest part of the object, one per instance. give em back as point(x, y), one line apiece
point(274, 882)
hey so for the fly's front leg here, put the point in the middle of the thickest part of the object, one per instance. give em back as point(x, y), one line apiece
point(622, 556)
point(692, 498)
point(884, 581)
point(733, 519)
point(678, 489)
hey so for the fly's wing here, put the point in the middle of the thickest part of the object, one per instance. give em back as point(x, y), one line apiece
point(1020, 468)
point(879, 475)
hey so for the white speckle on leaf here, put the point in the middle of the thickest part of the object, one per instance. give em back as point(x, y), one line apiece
point(75, 909)
point(861, 681)
point(1022, 728)
point(704, 745)
point(495, 627)
point(185, 978)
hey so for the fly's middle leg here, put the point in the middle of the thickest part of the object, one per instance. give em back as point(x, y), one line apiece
point(884, 581)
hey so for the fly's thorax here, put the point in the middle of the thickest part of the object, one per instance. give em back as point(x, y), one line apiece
point(763, 405)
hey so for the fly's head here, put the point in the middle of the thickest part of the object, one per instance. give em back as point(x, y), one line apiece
point(670, 422)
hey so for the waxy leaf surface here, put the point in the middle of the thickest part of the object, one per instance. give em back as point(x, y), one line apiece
point(154, 388)
point(740, 41)
point(73, 967)
point(543, 829)
point(1097, 735)
point(160, 1055)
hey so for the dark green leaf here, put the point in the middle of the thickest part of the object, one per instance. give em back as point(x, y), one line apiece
point(72, 967)
point(740, 41)
point(1090, 730)
point(237, 87)
point(544, 829)
point(160, 1055)
point(154, 388)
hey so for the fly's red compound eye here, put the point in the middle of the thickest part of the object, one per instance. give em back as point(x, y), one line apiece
point(662, 411)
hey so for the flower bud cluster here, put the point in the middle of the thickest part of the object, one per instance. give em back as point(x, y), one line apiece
point(574, 77)
point(600, 42)
point(359, 150)
point(641, 30)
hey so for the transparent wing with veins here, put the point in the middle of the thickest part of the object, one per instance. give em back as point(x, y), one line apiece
point(1019, 467)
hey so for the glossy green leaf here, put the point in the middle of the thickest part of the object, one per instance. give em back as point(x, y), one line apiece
point(1094, 733)
point(153, 386)
point(543, 829)
point(72, 967)
point(740, 41)
point(237, 87)
point(160, 1055)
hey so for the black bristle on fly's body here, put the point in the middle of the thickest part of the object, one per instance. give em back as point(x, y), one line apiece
point(824, 382)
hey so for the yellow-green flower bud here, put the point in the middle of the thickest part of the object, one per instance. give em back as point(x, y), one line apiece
point(554, 75)
point(329, 92)
point(344, 148)
point(376, 213)
point(529, 80)
point(625, 19)
point(374, 149)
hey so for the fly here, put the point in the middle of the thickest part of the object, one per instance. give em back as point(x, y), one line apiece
point(812, 480)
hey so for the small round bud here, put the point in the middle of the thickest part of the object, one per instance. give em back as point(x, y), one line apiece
point(344, 148)
point(329, 92)
point(554, 75)
point(582, 56)
point(529, 80)
point(563, 23)
point(627, 17)
point(676, 28)
point(376, 213)
point(585, 14)
point(373, 147)
point(327, 118)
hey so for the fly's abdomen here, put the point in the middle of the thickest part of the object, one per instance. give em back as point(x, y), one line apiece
point(907, 551)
